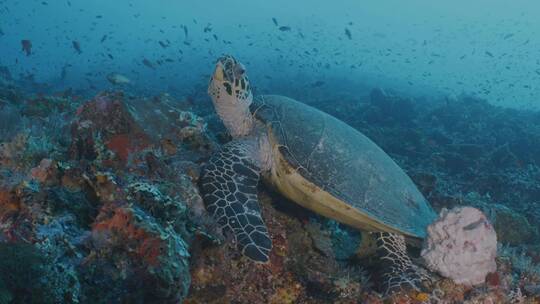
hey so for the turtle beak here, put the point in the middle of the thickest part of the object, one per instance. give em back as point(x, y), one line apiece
point(218, 73)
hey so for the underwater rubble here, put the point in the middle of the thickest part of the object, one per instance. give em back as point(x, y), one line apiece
point(99, 202)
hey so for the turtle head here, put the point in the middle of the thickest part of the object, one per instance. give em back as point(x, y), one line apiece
point(231, 94)
point(229, 81)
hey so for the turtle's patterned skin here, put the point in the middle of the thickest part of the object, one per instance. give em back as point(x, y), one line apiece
point(398, 271)
point(229, 185)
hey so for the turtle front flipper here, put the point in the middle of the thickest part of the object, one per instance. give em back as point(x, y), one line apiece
point(229, 185)
point(397, 270)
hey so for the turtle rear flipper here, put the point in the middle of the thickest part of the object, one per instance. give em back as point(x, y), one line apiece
point(229, 185)
point(397, 270)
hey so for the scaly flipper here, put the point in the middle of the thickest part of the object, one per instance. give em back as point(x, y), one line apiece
point(229, 185)
point(398, 271)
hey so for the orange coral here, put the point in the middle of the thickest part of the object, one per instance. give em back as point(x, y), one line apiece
point(422, 297)
point(286, 295)
point(8, 202)
point(168, 146)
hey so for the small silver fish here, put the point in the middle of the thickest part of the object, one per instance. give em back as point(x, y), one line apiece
point(118, 79)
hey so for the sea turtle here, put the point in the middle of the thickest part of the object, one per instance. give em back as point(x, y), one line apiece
point(313, 159)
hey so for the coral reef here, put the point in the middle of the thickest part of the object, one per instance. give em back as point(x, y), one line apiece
point(99, 202)
point(512, 228)
point(36, 280)
point(138, 257)
point(101, 214)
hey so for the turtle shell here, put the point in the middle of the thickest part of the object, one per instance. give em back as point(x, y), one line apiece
point(344, 163)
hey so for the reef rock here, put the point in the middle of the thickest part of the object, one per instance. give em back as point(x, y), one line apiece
point(521, 232)
point(461, 245)
point(391, 109)
point(136, 259)
point(105, 125)
point(164, 119)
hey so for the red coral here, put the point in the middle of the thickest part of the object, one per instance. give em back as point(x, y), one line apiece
point(107, 116)
point(145, 245)
point(493, 279)
point(120, 144)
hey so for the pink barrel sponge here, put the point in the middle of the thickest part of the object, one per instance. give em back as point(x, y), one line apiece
point(461, 245)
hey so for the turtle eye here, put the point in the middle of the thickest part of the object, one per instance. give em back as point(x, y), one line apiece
point(239, 70)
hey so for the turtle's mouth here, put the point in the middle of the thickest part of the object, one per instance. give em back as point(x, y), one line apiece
point(227, 69)
point(219, 75)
